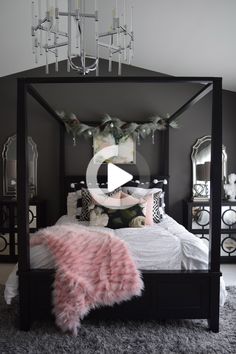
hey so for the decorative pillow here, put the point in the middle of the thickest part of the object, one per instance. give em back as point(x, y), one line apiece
point(118, 218)
point(162, 203)
point(98, 217)
point(149, 209)
point(140, 192)
point(128, 201)
point(157, 213)
point(158, 199)
point(72, 198)
point(87, 200)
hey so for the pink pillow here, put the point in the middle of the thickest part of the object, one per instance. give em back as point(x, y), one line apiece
point(128, 200)
point(107, 201)
point(149, 208)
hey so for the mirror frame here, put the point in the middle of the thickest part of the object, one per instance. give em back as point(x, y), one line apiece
point(195, 148)
point(32, 145)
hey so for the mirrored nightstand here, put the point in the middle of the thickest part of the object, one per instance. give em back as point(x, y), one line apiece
point(8, 225)
point(197, 220)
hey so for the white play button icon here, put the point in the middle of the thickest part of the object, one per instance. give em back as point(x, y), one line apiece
point(116, 177)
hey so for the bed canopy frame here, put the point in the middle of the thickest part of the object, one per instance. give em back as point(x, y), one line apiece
point(168, 294)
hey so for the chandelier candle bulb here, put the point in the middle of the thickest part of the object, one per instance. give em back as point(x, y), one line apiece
point(52, 12)
point(124, 12)
point(47, 68)
point(96, 32)
point(68, 66)
point(113, 15)
point(41, 40)
point(33, 47)
point(110, 63)
point(153, 137)
point(32, 27)
point(32, 12)
point(46, 52)
point(125, 31)
point(77, 37)
point(129, 60)
point(40, 31)
point(36, 50)
point(119, 64)
point(138, 139)
point(97, 67)
point(39, 12)
point(131, 19)
point(117, 23)
point(116, 8)
point(56, 64)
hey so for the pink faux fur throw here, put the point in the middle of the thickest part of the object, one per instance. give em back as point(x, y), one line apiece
point(92, 269)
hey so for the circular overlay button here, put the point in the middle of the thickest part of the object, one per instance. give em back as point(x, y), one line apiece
point(116, 177)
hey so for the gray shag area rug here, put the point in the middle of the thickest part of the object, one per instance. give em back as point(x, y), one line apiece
point(185, 336)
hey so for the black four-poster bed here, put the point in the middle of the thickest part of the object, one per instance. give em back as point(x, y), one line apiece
point(168, 294)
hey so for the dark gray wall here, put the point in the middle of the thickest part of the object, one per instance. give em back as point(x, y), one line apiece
point(128, 102)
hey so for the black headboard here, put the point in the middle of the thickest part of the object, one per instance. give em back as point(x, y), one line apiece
point(73, 183)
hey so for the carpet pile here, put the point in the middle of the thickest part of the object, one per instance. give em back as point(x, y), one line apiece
point(166, 337)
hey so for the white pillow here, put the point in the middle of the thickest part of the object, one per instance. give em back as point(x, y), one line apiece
point(140, 192)
point(72, 198)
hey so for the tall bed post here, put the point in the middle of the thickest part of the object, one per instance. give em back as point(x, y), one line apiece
point(164, 164)
point(62, 173)
point(23, 205)
point(215, 203)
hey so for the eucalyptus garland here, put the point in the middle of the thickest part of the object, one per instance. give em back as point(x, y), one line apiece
point(115, 126)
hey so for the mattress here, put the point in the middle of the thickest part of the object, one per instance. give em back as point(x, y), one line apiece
point(163, 246)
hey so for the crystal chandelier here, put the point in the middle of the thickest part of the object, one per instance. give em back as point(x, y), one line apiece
point(48, 36)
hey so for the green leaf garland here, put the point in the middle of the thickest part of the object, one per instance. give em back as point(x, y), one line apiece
point(115, 126)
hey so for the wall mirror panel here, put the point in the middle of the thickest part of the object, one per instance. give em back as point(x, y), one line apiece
point(201, 160)
point(9, 167)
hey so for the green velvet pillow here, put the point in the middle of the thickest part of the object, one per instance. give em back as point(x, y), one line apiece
point(118, 218)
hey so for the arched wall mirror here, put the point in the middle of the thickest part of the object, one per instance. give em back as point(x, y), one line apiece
point(9, 167)
point(201, 159)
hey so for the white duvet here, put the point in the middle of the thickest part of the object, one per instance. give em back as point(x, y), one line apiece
point(163, 246)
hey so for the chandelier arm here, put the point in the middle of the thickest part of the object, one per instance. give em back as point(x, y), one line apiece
point(35, 28)
point(83, 68)
point(52, 46)
point(64, 34)
point(92, 67)
point(73, 14)
point(105, 45)
point(110, 33)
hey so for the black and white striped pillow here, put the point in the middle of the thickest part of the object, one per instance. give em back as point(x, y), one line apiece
point(157, 213)
point(86, 201)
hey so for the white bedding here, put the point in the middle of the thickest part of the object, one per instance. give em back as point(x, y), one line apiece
point(166, 245)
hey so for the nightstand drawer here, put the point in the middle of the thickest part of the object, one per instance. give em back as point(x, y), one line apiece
point(8, 226)
point(197, 221)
